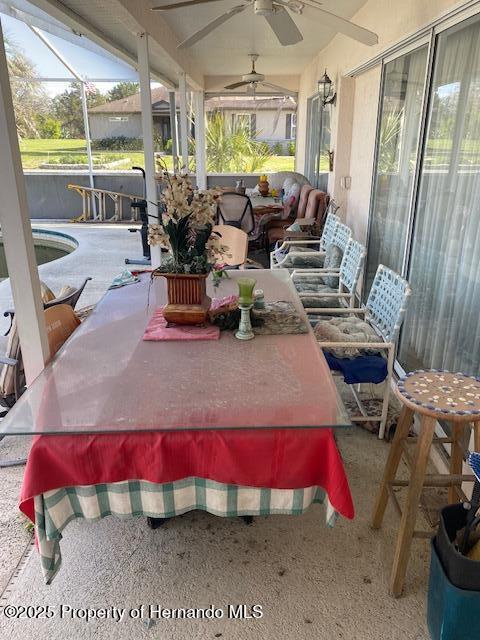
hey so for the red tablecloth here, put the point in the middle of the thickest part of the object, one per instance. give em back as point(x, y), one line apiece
point(275, 458)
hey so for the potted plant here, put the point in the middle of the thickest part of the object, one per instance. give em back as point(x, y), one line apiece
point(185, 229)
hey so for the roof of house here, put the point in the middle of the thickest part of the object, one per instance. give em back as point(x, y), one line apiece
point(131, 104)
point(160, 102)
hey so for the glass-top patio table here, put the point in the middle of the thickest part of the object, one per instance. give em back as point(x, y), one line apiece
point(107, 379)
point(129, 427)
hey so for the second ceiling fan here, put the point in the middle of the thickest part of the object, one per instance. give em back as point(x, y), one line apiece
point(253, 79)
point(276, 14)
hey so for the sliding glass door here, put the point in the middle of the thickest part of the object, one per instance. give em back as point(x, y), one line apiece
point(396, 159)
point(425, 214)
point(442, 326)
point(318, 143)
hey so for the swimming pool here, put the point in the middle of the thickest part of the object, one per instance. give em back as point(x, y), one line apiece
point(49, 246)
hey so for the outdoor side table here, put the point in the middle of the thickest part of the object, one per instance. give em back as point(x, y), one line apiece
point(433, 395)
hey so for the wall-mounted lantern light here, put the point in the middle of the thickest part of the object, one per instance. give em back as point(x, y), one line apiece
point(325, 89)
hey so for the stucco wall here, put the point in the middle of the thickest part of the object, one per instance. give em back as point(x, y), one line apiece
point(49, 198)
point(265, 123)
point(354, 116)
point(101, 125)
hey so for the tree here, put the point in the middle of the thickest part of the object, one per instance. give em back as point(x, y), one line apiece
point(67, 108)
point(29, 98)
point(122, 90)
point(49, 128)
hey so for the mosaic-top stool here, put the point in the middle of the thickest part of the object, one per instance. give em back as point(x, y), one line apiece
point(433, 395)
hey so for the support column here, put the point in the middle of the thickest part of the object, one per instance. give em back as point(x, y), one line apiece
point(17, 237)
point(200, 144)
point(86, 126)
point(173, 129)
point(183, 119)
point(83, 97)
point(148, 144)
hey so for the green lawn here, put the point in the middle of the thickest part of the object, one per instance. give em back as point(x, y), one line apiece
point(38, 151)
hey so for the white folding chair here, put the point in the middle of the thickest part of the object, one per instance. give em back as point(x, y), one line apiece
point(311, 250)
point(383, 313)
point(330, 289)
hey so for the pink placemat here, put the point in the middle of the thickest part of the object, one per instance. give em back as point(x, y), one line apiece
point(157, 330)
point(218, 303)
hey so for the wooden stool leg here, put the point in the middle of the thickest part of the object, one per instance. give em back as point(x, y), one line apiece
point(476, 436)
point(409, 514)
point(394, 457)
point(456, 459)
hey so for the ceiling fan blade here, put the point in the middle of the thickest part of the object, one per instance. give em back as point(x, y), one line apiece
point(344, 26)
point(211, 26)
point(177, 5)
point(283, 27)
point(278, 89)
point(235, 85)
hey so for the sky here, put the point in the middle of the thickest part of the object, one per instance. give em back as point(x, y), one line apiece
point(87, 63)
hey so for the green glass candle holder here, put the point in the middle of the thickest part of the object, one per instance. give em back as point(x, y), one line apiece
point(245, 331)
point(245, 290)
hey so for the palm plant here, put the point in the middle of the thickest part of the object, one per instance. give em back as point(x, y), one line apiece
point(231, 147)
point(389, 140)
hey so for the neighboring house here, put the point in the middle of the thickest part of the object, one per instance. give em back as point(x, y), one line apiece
point(123, 117)
point(272, 120)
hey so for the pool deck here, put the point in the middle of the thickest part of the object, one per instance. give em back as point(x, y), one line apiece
point(101, 254)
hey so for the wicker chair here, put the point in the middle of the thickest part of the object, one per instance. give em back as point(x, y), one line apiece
point(382, 318)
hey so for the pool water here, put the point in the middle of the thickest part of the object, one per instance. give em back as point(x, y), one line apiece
point(49, 246)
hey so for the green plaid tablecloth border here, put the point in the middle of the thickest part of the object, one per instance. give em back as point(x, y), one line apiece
point(55, 509)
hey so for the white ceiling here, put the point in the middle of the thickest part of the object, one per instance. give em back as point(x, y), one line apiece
point(224, 51)
point(115, 24)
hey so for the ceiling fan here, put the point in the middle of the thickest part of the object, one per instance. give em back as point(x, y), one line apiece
point(276, 14)
point(252, 79)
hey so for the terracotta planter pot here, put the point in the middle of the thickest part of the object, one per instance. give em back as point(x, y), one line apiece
point(188, 302)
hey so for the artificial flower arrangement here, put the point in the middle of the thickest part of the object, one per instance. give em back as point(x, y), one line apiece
point(185, 228)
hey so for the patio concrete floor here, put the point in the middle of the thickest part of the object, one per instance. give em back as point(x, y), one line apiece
point(312, 581)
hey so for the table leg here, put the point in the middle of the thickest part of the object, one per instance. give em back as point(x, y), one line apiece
point(456, 459)
point(156, 523)
point(394, 457)
point(409, 514)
